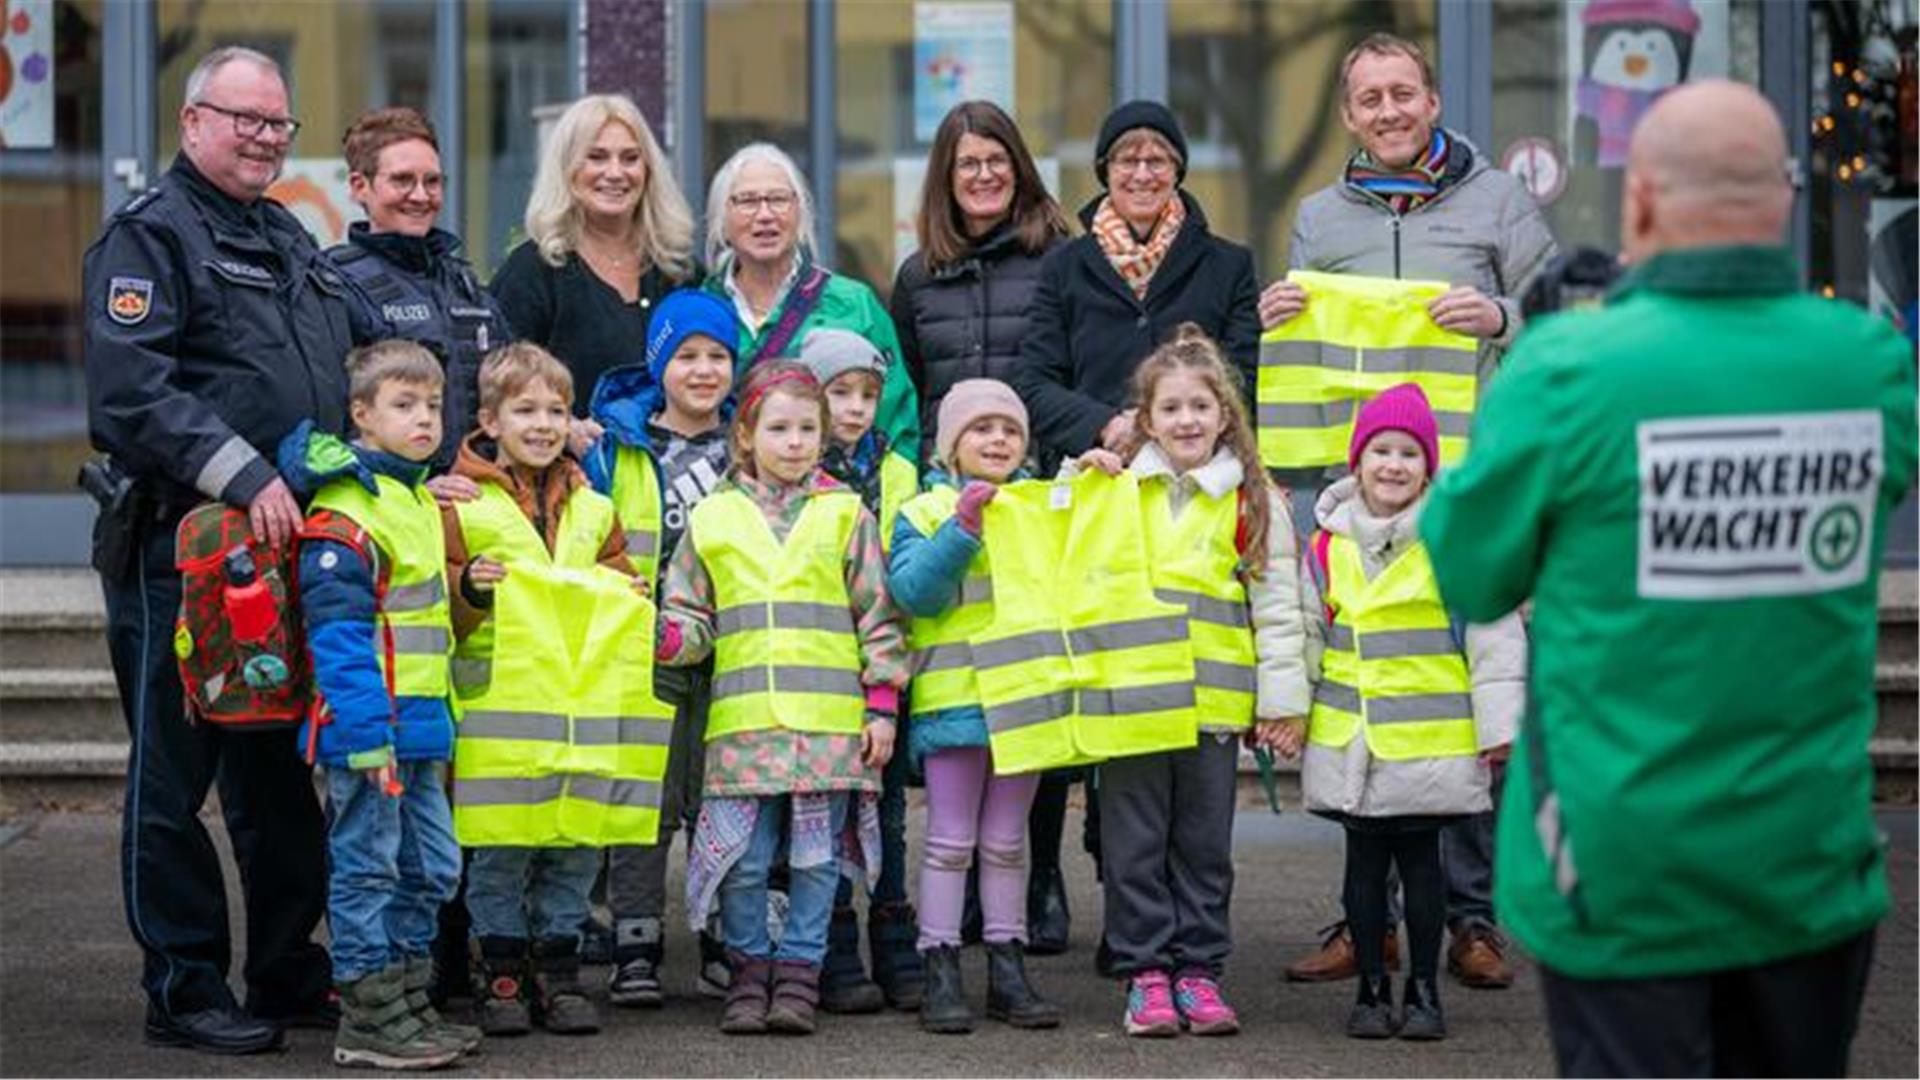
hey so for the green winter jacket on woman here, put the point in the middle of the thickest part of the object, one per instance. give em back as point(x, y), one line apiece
point(1693, 485)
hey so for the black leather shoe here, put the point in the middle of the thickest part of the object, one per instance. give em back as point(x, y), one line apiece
point(1049, 923)
point(214, 1031)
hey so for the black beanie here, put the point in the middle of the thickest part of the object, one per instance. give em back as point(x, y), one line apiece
point(1139, 113)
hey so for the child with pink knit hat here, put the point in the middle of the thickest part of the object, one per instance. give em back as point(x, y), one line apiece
point(1410, 708)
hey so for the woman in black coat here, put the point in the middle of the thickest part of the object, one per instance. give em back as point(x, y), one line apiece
point(960, 301)
point(1105, 299)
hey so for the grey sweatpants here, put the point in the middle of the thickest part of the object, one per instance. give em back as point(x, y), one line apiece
point(1166, 825)
point(636, 875)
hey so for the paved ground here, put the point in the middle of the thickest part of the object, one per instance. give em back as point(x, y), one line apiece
point(69, 1003)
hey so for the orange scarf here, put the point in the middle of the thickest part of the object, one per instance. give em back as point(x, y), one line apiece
point(1133, 260)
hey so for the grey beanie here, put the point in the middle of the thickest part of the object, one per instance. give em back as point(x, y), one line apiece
point(830, 354)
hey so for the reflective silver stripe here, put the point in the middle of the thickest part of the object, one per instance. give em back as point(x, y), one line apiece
point(1456, 424)
point(1293, 353)
point(1386, 644)
point(976, 590)
point(612, 791)
point(1422, 359)
point(1133, 633)
point(226, 463)
point(1136, 699)
point(1405, 708)
point(1020, 647)
point(471, 673)
point(786, 615)
point(1340, 636)
point(507, 790)
point(1328, 414)
point(416, 597)
point(499, 724)
point(789, 679)
point(621, 731)
point(1027, 712)
point(642, 543)
point(948, 657)
point(1207, 609)
point(1337, 696)
point(422, 640)
point(1219, 675)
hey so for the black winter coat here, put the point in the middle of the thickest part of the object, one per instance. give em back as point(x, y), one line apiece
point(1087, 332)
point(964, 321)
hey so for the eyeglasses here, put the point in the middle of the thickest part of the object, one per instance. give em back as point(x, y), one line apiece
point(406, 181)
point(1157, 165)
point(249, 125)
point(997, 164)
point(750, 203)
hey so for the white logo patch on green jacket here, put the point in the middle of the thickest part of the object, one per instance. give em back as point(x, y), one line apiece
point(1738, 506)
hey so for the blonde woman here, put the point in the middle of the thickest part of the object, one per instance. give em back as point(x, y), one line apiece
point(608, 235)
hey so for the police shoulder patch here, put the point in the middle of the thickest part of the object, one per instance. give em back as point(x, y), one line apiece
point(129, 300)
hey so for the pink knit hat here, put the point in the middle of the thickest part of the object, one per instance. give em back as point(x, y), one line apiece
point(974, 399)
point(1397, 408)
point(1677, 15)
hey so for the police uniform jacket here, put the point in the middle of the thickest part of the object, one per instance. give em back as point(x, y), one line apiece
point(420, 288)
point(213, 328)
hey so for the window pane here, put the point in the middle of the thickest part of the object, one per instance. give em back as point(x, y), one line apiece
point(339, 59)
point(50, 179)
point(903, 65)
point(517, 73)
point(1566, 92)
point(1255, 85)
point(756, 80)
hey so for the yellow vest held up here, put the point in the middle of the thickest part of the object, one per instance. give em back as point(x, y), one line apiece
point(1391, 667)
point(414, 620)
point(785, 652)
point(1194, 564)
point(1357, 336)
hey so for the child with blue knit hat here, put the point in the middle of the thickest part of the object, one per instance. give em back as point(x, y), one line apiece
point(664, 449)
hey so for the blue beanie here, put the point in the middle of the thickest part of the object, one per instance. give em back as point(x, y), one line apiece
point(683, 313)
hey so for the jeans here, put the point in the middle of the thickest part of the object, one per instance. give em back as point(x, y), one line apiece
point(394, 863)
point(526, 892)
point(968, 807)
point(176, 902)
point(810, 892)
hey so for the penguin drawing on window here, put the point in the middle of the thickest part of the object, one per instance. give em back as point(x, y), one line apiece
point(1634, 51)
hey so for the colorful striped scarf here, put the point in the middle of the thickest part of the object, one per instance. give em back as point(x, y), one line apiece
point(1402, 189)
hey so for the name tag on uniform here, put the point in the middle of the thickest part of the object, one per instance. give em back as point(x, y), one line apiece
point(406, 312)
point(1739, 506)
point(240, 273)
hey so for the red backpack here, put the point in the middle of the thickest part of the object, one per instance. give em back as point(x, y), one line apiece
point(261, 683)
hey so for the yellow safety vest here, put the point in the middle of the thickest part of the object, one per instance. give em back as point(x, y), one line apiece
point(1391, 666)
point(899, 483)
point(636, 496)
point(560, 740)
point(785, 653)
point(1358, 336)
point(1195, 564)
point(943, 676)
point(1081, 661)
point(413, 615)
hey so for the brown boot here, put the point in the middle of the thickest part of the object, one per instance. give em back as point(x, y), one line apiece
point(1476, 958)
point(796, 993)
point(1335, 959)
point(560, 1003)
point(747, 993)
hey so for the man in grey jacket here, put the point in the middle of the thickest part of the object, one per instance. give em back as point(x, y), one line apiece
point(1420, 202)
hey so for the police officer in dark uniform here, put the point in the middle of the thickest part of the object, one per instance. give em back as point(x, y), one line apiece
point(214, 326)
point(410, 279)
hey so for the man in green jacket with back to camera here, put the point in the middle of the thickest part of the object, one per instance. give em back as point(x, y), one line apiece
point(1692, 483)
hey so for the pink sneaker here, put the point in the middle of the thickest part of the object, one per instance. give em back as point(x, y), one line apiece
point(1150, 1011)
point(1202, 1009)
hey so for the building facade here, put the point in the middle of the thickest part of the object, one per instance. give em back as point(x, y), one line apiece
point(89, 90)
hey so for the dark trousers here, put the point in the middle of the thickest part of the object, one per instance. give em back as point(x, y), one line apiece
point(176, 900)
point(637, 874)
point(1372, 849)
point(1793, 1017)
point(1167, 840)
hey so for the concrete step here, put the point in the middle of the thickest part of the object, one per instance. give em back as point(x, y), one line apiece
point(52, 619)
point(1899, 617)
point(59, 705)
point(1897, 686)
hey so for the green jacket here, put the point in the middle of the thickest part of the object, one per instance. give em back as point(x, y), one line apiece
point(1693, 484)
point(845, 304)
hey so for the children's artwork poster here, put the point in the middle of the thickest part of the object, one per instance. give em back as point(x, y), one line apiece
point(961, 52)
point(26, 74)
point(909, 173)
point(315, 191)
point(1625, 54)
